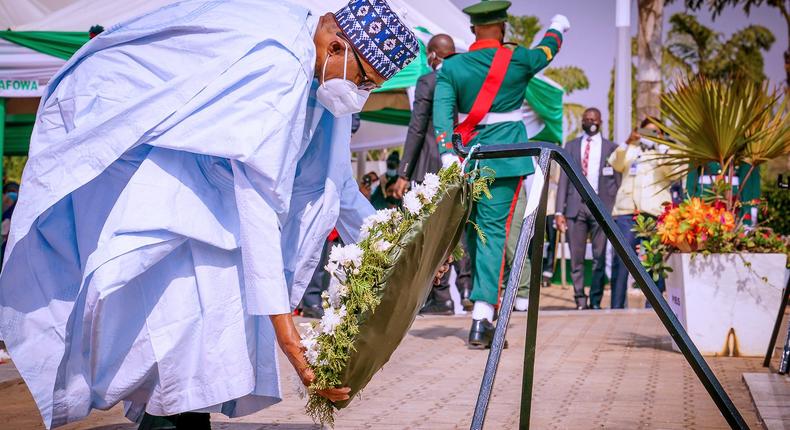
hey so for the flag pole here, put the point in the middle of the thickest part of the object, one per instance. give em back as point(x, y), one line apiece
point(622, 80)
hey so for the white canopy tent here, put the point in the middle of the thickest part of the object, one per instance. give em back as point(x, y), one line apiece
point(24, 72)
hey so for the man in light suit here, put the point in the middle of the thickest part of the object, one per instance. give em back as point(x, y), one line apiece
point(421, 156)
point(590, 151)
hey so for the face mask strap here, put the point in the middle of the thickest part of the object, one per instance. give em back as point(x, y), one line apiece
point(323, 71)
point(345, 60)
point(345, 64)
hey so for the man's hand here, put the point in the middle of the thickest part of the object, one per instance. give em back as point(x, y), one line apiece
point(560, 23)
point(290, 343)
point(400, 187)
point(562, 223)
point(443, 269)
point(634, 138)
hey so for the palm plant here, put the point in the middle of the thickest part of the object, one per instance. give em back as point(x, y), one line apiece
point(724, 121)
point(705, 51)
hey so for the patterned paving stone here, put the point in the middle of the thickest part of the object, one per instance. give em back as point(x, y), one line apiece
point(594, 370)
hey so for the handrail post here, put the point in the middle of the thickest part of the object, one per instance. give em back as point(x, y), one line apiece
point(626, 253)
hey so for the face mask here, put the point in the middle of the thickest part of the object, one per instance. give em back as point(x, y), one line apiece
point(13, 196)
point(590, 129)
point(647, 144)
point(341, 96)
point(434, 61)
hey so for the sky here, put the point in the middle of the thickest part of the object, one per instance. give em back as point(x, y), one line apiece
point(590, 43)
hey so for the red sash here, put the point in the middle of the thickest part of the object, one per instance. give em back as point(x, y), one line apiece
point(485, 98)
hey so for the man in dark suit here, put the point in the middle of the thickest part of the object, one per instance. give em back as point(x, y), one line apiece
point(421, 156)
point(591, 152)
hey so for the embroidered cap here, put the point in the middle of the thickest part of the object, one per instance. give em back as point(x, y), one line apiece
point(379, 35)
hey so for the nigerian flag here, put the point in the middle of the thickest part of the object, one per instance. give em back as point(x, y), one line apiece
point(543, 110)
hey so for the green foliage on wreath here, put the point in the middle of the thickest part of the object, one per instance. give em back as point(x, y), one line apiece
point(362, 287)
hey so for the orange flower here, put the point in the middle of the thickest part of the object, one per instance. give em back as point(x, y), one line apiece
point(691, 224)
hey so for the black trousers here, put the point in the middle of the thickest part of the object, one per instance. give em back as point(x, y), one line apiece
point(463, 269)
point(551, 252)
point(579, 227)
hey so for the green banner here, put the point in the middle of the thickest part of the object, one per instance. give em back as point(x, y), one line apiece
point(61, 44)
point(546, 100)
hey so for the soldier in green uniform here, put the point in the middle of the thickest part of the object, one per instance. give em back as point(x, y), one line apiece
point(486, 88)
point(699, 183)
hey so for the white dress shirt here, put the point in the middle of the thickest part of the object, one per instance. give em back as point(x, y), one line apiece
point(594, 165)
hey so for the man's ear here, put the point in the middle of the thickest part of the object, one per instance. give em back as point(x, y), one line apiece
point(335, 47)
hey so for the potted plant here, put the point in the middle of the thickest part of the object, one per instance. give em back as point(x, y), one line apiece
point(724, 270)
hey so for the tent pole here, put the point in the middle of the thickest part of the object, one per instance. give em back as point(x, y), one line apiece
point(2, 138)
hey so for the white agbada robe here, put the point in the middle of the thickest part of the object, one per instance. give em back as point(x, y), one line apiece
point(180, 186)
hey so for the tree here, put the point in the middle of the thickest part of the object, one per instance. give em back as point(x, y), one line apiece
point(717, 6)
point(704, 52)
point(649, 53)
point(523, 30)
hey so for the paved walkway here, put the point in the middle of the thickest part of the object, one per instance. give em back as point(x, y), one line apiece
point(604, 369)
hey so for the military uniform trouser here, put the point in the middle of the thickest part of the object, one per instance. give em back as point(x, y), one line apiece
point(500, 218)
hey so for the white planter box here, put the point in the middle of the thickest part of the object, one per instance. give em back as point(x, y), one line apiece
point(725, 306)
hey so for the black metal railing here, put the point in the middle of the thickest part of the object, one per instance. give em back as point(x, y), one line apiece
point(533, 228)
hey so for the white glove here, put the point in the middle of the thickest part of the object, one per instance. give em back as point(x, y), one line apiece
point(448, 160)
point(560, 23)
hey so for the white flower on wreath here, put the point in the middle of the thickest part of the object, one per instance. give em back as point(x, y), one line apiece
point(332, 318)
point(382, 246)
point(312, 347)
point(431, 181)
point(382, 216)
point(336, 292)
point(426, 192)
point(349, 256)
point(332, 267)
point(412, 203)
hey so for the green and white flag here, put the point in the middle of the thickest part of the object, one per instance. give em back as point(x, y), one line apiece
point(543, 110)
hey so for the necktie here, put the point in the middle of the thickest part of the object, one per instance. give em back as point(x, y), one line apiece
point(586, 158)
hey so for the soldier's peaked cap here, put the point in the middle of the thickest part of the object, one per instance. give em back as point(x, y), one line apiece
point(488, 12)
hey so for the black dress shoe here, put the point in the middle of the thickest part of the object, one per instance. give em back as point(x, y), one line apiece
point(194, 421)
point(436, 308)
point(185, 421)
point(466, 302)
point(597, 307)
point(481, 334)
point(153, 422)
point(313, 312)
